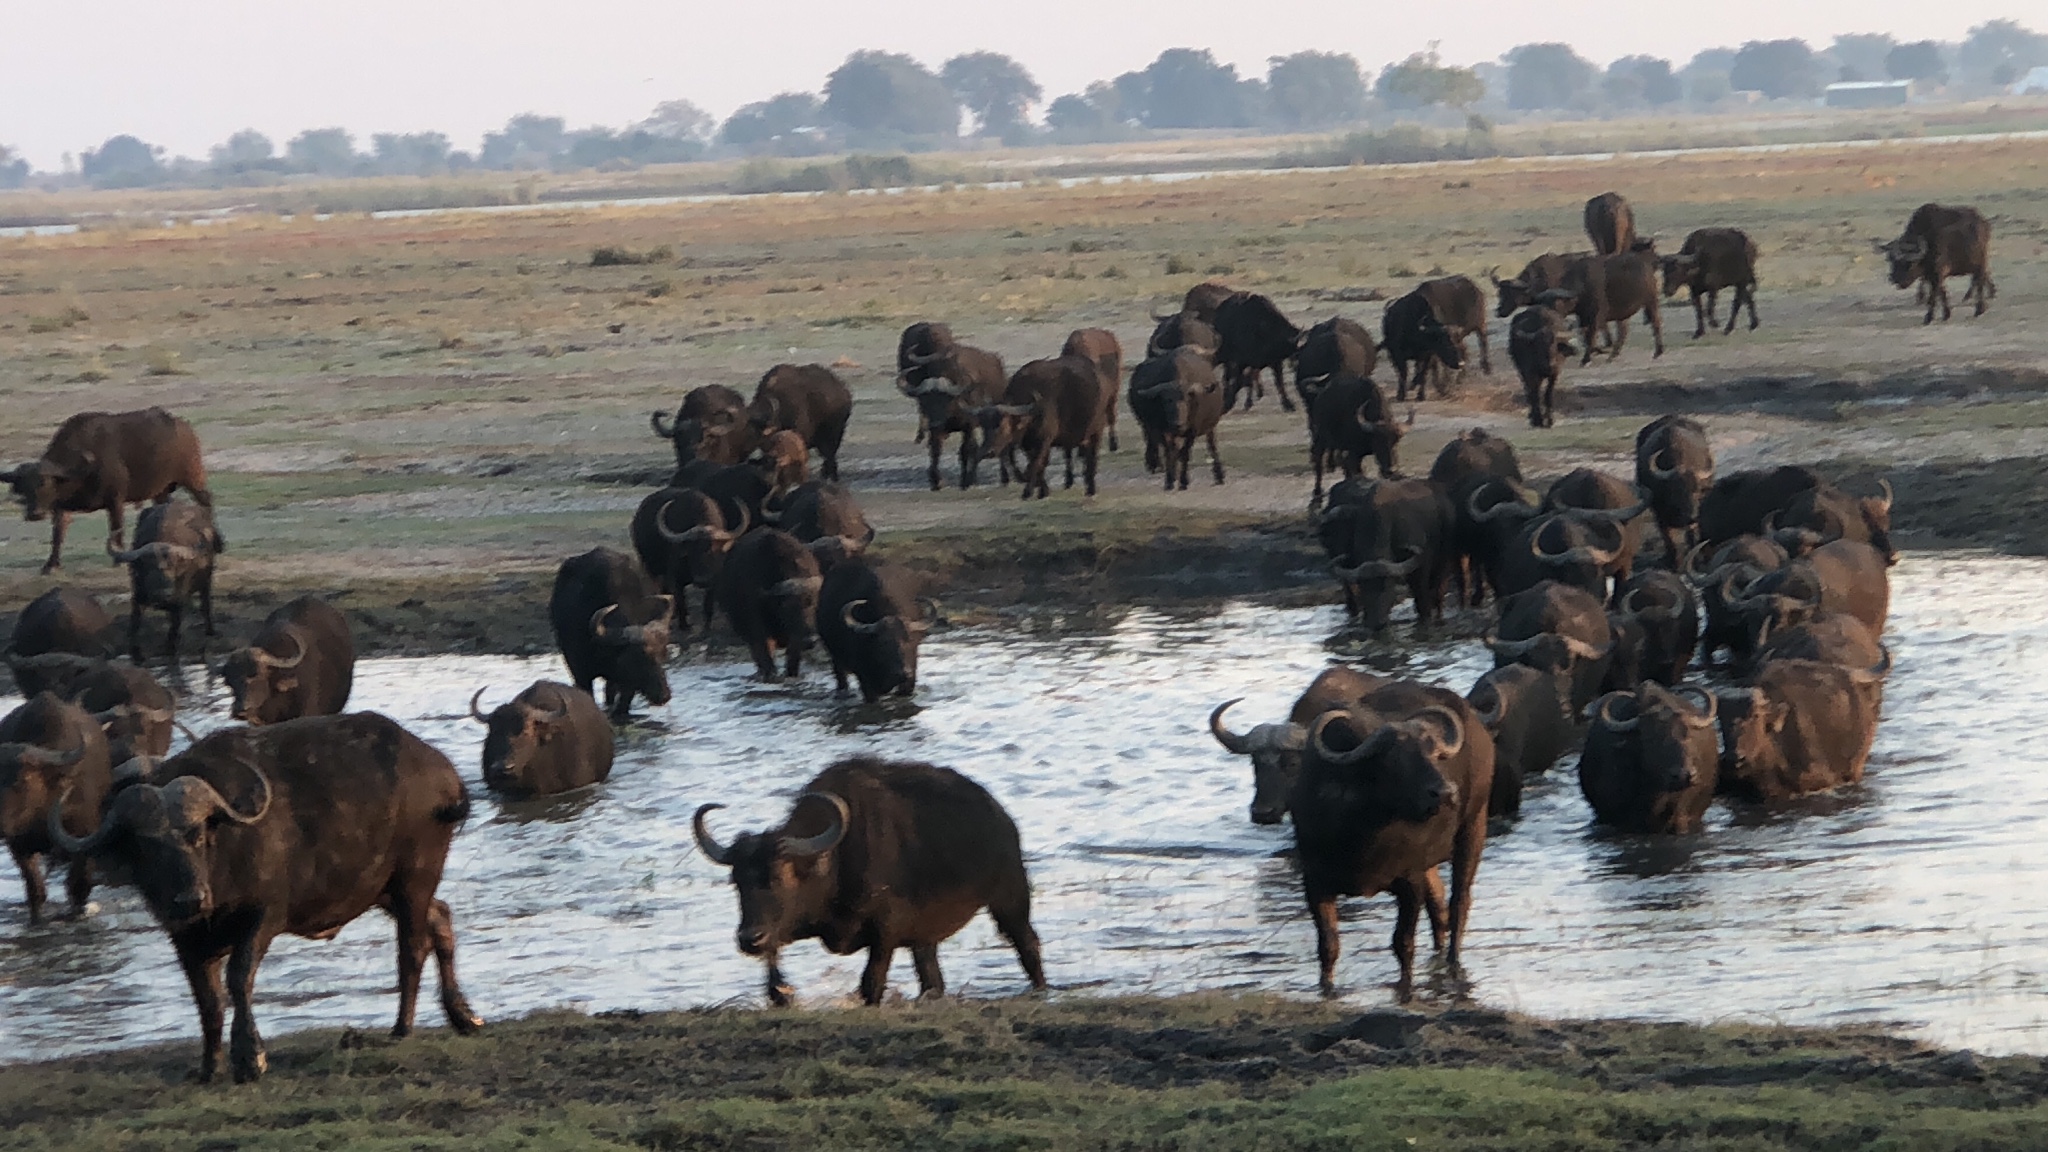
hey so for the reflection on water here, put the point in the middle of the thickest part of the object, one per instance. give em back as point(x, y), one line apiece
point(1914, 898)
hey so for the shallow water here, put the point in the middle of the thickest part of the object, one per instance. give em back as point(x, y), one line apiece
point(1914, 899)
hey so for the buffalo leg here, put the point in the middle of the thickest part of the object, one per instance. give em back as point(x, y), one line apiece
point(206, 601)
point(1749, 298)
point(1090, 454)
point(938, 447)
point(1400, 379)
point(59, 520)
point(1699, 315)
point(970, 463)
point(1013, 919)
point(1485, 357)
point(415, 940)
point(710, 605)
point(1937, 294)
point(1177, 465)
point(1034, 476)
point(839, 674)
point(793, 661)
point(1654, 314)
point(176, 613)
point(117, 524)
point(874, 980)
point(135, 629)
point(1433, 904)
point(764, 659)
point(779, 992)
point(1113, 445)
point(203, 974)
point(453, 1002)
point(930, 981)
point(245, 1043)
point(1280, 387)
point(1465, 853)
point(1215, 461)
point(1324, 909)
point(1408, 912)
point(922, 428)
point(31, 882)
point(1069, 454)
point(78, 882)
point(1169, 454)
point(1550, 401)
point(1315, 459)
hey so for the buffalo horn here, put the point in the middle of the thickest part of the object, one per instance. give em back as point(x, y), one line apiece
point(1709, 705)
point(1384, 569)
point(796, 586)
point(1496, 706)
point(42, 757)
point(1485, 515)
point(1366, 748)
point(228, 809)
point(1663, 473)
point(1451, 740)
point(668, 433)
point(1512, 648)
point(72, 845)
point(1236, 744)
point(265, 660)
point(1606, 714)
point(476, 713)
point(597, 628)
point(1887, 486)
point(823, 841)
point(1656, 612)
point(713, 851)
point(1017, 409)
point(846, 618)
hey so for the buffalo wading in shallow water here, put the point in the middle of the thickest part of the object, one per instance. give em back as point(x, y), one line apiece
point(871, 622)
point(62, 620)
point(612, 625)
point(1675, 468)
point(301, 662)
point(1651, 758)
point(1276, 749)
point(54, 767)
point(769, 593)
point(172, 561)
point(549, 739)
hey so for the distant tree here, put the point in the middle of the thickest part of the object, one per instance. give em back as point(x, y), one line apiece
point(604, 148)
point(13, 169)
point(1860, 55)
point(1187, 88)
point(1709, 60)
point(890, 92)
point(1096, 114)
point(997, 90)
point(1919, 60)
point(679, 120)
point(1312, 89)
point(528, 141)
point(324, 151)
point(411, 153)
point(122, 162)
point(1547, 76)
point(245, 151)
point(1423, 80)
point(765, 120)
point(1779, 69)
point(2000, 52)
point(1634, 81)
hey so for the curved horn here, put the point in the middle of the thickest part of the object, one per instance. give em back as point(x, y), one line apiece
point(1367, 747)
point(668, 433)
point(1236, 744)
point(1487, 515)
point(1690, 569)
point(707, 844)
point(846, 618)
point(476, 713)
point(1709, 705)
point(1658, 612)
point(136, 768)
point(43, 757)
point(1016, 409)
point(597, 628)
point(1512, 648)
point(228, 809)
point(1887, 486)
point(72, 845)
point(1663, 473)
point(1453, 723)
point(823, 841)
point(1581, 649)
point(1606, 714)
point(1383, 569)
point(1497, 705)
point(695, 532)
point(265, 659)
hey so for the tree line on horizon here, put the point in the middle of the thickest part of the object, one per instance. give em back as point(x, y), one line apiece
point(879, 100)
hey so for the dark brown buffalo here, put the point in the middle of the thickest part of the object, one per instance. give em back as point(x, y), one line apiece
point(948, 386)
point(51, 750)
point(1391, 787)
point(62, 620)
point(1801, 726)
point(710, 424)
point(1940, 242)
point(1844, 576)
point(872, 621)
point(1491, 513)
point(806, 399)
point(1650, 760)
point(612, 624)
point(1538, 344)
point(740, 490)
point(302, 662)
point(1608, 292)
point(172, 561)
point(1711, 570)
point(1100, 347)
point(1400, 542)
point(918, 351)
point(1276, 749)
point(1204, 300)
point(1543, 274)
point(1675, 468)
point(1710, 260)
point(1348, 420)
point(1335, 346)
point(825, 518)
point(1559, 629)
point(103, 462)
point(1742, 503)
point(135, 711)
point(682, 536)
point(1529, 714)
point(1414, 335)
point(769, 593)
point(1828, 637)
point(1610, 223)
point(1590, 491)
point(1460, 306)
point(1048, 404)
point(1584, 549)
point(294, 828)
point(881, 855)
point(549, 739)
point(1181, 330)
point(1667, 618)
point(1177, 401)
point(1336, 528)
point(1254, 337)
point(1472, 460)
point(1821, 515)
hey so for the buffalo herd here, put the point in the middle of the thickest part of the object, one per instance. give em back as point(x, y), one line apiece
point(1607, 592)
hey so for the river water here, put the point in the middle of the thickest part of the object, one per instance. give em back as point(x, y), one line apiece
point(1919, 899)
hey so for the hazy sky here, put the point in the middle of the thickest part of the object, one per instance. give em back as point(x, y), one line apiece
point(187, 73)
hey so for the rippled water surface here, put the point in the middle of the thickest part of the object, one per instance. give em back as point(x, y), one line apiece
point(1919, 898)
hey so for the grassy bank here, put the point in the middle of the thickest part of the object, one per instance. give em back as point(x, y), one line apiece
point(1195, 1073)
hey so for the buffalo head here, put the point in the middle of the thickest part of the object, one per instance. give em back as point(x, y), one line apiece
point(887, 644)
point(641, 649)
point(165, 834)
point(787, 878)
point(262, 681)
point(39, 486)
point(1275, 750)
point(1393, 768)
point(1658, 723)
point(517, 730)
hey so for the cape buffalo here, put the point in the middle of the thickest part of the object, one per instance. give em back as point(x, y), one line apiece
point(1181, 330)
point(1651, 757)
point(1276, 749)
point(1415, 335)
point(769, 593)
point(1712, 259)
point(1727, 568)
point(1254, 338)
point(1401, 541)
point(1099, 346)
point(52, 753)
point(1458, 302)
point(1490, 512)
point(135, 711)
point(1940, 242)
point(1668, 614)
point(1529, 714)
point(948, 386)
point(1577, 547)
point(100, 461)
point(1844, 576)
point(549, 739)
point(710, 424)
point(871, 622)
point(682, 536)
point(1802, 726)
point(1204, 300)
point(612, 625)
point(1391, 787)
point(294, 828)
point(1608, 291)
point(1675, 467)
point(1543, 274)
point(1335, 346)
point(1177, 401)
point(1555, 628)
point(881, 855)
point(1538, 344)
point(1048, 404)
point(1740, 503)
point(62, 620)
point(1825, 514)
point(1610, 223)
point(1348, 421)
point(173, 558)
point(302, 662)
point(917, 351)
point(1827, 637)
point(808, 400)
point(825, 518)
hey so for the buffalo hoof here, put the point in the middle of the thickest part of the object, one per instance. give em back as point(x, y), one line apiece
point(781, 995)
point(250, 1067)
point(53, 566)
point(462, 1019)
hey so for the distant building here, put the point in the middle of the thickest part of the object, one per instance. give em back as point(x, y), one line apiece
point(2033, 83)
point(1869, 94)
